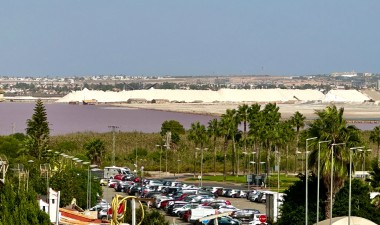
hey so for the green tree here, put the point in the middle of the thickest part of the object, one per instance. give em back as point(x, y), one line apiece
point(271, 117)
point(95, 150)
point(293, 208)
point(331, 126)
point(243, 112)
point(20, 207)
point(213, 132)
point(298, 122)
point(375, 138)
point(374, 178)
point(38, 132)
point(175, 128)
point(73, 184)
point(228, 128)
point(197, 133)
point(255, 123)
point(284, 136)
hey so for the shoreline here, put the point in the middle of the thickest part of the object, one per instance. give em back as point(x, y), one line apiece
point(353, 113)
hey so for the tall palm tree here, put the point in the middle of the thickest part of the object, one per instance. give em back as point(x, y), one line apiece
point(95, 150)
point(331, 126)
point(228, 125)
point(197, 134)
point(255, 123)
point(285, 136)
point(375, 138)
point(243, 111)
point(213, 132)
point(298, 122)
point(271, 117)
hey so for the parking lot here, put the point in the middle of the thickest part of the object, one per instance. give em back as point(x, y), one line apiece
point(241, 203)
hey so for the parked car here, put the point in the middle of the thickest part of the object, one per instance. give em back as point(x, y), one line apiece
point(244, 214)
point(250, 194)
point(226, 192)
point(217, 191)
point(196, 214)
point(135, 189)
point(100, 206)
point(254, 197)
point(112, 183)
point(179, 211)
point(225, 220)
point(121, 185)
point(104, 182)
point(262, 197)
point(227, 208)
point(174, 205)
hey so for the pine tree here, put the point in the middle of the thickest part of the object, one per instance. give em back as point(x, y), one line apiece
point(38, 132)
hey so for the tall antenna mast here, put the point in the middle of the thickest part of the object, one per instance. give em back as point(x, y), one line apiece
point(113, 143)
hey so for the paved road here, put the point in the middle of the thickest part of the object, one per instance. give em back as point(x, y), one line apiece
point(241, 203)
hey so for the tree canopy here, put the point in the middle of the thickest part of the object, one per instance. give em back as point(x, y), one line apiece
point(38, 132)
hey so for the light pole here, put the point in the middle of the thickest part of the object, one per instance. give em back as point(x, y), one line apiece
point(318, 174)
point(262, 163)
point(160, 157)
point(350, 178)
point(299, 152)
point(306, 178)
point(113, 143)
point(88, 182)
point(332, 177)
point(249, 170)
point(201, 179)
point(364, 156)
point(178, 161)
point(142, 176)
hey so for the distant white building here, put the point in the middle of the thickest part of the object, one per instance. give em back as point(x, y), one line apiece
point(345, 74)
point(51, 207)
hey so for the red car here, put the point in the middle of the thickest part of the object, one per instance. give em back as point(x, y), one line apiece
point(119, 176)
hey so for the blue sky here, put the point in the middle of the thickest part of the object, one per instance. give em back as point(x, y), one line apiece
point(197, 37)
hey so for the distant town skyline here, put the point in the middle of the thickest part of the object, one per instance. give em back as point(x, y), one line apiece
point(188, 38)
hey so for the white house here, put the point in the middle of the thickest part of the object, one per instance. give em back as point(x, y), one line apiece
point(52, 206)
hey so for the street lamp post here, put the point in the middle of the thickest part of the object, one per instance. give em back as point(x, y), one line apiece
point(113, 143)
point(306, 179)
point(249, 170)
point(201, 179)
point(178, 161)
point(160, 158)
point(318, 174)
point(350, 178)
point(89, 182)
point(142, 176)
point(262, 163)
point(299, 152)
point(332, 177)
point(364, 156)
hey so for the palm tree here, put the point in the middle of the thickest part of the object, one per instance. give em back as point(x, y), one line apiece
point(298, 121)
point(228, 129)
point(287, 134)
point(331, 126)
point(271, 117)
point(197, 134)
point(95, 150)
point(213, 132)
point(243, 117)
point(375, 138)
point(255, 122)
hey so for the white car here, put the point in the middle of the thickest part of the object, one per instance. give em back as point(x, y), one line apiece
point(227, 208)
